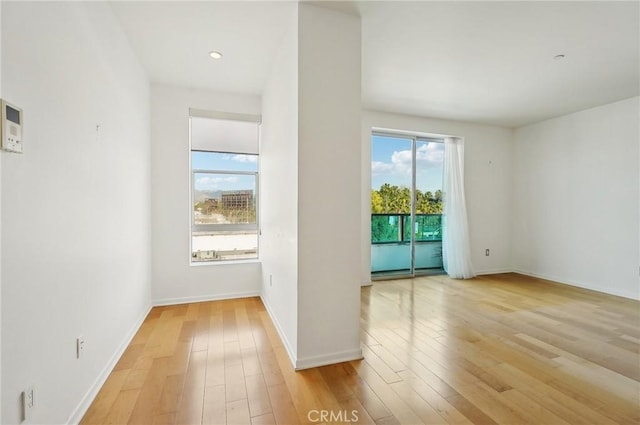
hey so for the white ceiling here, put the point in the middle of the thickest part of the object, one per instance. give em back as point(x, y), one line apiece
point(492, 62)
point(486, 62)
point(173, 40)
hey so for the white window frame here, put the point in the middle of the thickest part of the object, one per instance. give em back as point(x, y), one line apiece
point(199, 113)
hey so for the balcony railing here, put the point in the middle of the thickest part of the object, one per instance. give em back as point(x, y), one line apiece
point(396, 228)
point(391, 242)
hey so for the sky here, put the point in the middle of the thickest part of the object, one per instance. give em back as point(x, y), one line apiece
point(223, 162)
point(391, 163)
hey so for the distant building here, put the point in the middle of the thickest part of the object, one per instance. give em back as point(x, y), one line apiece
point(212, 203)
point(237, 199)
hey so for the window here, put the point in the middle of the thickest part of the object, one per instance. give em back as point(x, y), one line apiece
point(224, 187)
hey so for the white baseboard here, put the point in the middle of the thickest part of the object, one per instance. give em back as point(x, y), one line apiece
point(555, 279)
point(204, 298)
point(88, 398)
point(493, 271)
point(309, 362)
point(326, 359)
point(276, 324)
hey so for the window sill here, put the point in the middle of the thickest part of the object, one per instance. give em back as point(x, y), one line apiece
point(224, 262)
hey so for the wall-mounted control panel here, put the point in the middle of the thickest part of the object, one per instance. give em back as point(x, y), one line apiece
point(11, 128)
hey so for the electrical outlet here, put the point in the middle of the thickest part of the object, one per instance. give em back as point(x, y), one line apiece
point(79, 346)
point(270, 280)
point(487, 252)
point(28, 402)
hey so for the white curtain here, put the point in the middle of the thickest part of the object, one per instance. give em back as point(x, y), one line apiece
point(456, 253)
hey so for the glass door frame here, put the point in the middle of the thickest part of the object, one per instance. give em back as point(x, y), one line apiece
point(414, 138)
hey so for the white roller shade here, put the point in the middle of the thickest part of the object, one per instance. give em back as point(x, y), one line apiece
point(224, 135)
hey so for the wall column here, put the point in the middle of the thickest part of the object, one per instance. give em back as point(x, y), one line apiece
point(329, 150)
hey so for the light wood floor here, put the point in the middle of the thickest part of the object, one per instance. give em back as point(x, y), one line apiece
point(502, 349)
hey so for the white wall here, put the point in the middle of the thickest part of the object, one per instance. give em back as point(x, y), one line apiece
point(488, 185)
point(329, 114)
point(0, 219)
point(75, 206)
point(576, 199)
point(174, 280)
point(279, 189)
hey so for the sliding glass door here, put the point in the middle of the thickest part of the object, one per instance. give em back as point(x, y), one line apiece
point(391, 180)
point(406, 205)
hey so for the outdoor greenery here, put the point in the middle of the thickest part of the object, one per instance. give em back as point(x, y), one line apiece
point(385, 228)
point(391, 215)
point(394, 199)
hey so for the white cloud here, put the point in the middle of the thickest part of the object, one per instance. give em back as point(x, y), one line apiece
point(245, 158)
point(430, 154)
point(427, 154)
point(213, 183)
point(378, 167)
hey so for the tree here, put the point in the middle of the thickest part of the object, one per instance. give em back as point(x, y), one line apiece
point(385, 228)
point(391, 199)
point(376, 202)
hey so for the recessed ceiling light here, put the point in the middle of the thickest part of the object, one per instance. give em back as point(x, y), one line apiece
point(559, 57)
point(215, 55)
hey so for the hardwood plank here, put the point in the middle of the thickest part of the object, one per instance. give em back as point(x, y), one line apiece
point(166, 335)
point(313, 381)
point(245, 336)
point(393, 361)
point(135, 379)
point(150, 393)
point(234, 383)
point(257, 395)
point(191, 405)
point(215, 351)
point(270, 368)
point(130, 356)
point(238, 413)
point(101, 407)
point(266, 419)
point(529, 408)
point(164, 419)
point(490, 403)
point(284, 411)
point(354, 409)
point(455, 409)
point(381, 368)
point(232, 354)
point(487, 378)
point(391, 400)
point(201, 336)
point(250, 362)
point(122, 407)
point(171, 394)
point(561, 404)
point(336, 380)
point(363, 392)
point(215, 410)
point(424, 411)
point(229, 322)
point(469, 410)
